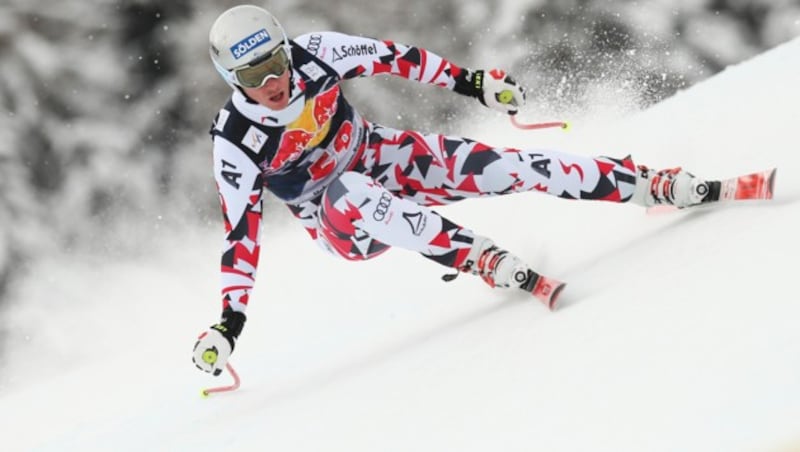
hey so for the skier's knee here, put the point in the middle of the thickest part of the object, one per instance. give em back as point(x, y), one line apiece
point(350, 185)
point(357, 184)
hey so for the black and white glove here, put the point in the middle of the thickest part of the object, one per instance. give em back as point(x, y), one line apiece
point(214, 346)
point(495, 89)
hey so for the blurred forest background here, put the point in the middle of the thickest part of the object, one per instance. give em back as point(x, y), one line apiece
point(106, 104)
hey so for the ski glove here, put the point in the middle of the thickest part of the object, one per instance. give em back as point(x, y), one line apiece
point(494, 88)
point(214, 347)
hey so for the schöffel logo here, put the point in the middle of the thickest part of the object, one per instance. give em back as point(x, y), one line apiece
point(354, 50)
point(249, 43)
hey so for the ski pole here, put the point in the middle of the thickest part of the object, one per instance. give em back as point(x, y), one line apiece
point(540, 125)
point(236, 381)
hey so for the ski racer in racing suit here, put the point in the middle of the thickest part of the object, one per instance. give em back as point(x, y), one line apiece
point(358, 187)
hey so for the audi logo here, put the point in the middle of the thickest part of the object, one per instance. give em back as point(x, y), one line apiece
point(314, 42)
point(383, 207)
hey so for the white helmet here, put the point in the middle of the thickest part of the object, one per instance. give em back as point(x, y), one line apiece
point(243, 35)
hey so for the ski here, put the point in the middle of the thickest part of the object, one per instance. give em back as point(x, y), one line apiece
point(754, 186)
point(751, 186)
point(546, 290)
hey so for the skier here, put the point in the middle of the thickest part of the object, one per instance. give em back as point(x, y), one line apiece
point(359, 187)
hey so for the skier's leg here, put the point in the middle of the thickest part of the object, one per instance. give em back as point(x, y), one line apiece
point(435, 169)
point(354, 207)
point(359, 217)
point(341, 238)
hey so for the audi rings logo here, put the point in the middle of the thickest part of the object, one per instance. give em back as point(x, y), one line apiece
point(383, 207)
point(314, 42)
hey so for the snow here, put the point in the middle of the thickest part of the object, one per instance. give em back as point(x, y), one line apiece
point(677, 332)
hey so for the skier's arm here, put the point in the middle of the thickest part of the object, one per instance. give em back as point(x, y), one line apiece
point(240, 190)
point(356, 56)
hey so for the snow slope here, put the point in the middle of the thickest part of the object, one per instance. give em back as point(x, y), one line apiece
point(678, 332)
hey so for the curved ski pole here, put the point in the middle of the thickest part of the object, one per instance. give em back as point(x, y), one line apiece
point(540, 125)
point(236, 381)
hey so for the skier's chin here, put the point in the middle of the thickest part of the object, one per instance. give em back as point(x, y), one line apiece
point(277, 101)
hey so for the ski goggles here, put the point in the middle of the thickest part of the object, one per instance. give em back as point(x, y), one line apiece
point(256, 74)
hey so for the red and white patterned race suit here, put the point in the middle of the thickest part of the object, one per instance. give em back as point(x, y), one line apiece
point(358, 187)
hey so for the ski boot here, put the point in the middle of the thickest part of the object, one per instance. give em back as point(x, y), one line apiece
point(499, 268)
point(673, 187)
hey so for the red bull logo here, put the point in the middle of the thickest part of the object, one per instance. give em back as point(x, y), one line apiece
point(309, 129)
point(327, 162)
